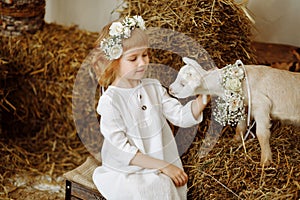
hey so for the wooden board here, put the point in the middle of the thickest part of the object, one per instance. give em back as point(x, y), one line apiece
point(75, 191)
point(278, 56)
point(271, 53)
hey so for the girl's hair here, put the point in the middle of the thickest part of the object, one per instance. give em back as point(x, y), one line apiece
point(106, 70)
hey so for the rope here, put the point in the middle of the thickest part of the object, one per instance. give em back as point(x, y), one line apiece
point(239, 62)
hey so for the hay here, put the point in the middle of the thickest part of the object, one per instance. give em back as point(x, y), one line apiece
point(37, 76)
point(232, 170)
point(220, 27)
point(43, 66)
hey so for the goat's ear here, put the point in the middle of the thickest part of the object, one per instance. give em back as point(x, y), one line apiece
point(194, 64)
point(190, 61)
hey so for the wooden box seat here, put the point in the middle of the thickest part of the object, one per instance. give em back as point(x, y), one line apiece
point(79, 183)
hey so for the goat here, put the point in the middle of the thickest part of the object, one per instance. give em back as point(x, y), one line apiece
point(274, 94)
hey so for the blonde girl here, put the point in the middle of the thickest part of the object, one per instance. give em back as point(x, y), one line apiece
point(140, 159)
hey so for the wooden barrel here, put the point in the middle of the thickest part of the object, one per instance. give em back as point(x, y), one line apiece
point(20, 16)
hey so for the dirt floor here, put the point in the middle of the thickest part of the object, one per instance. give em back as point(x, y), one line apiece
point(40, 188)
point(19, 179)
point(25, 184)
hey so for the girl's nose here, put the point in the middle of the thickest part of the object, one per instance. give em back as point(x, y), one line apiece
point(143, 61)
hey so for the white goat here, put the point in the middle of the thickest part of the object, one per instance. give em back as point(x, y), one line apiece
point(274, 94)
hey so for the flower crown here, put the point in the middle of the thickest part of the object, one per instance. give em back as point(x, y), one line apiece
point(112, 46)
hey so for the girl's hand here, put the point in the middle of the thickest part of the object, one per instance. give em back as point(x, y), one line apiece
point(179, 177)
point(203, 99)
point(199, 104)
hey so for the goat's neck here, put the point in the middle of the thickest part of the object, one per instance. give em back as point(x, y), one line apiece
point(211, 83)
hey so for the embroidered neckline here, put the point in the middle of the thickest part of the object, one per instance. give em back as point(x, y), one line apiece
point(230, 108)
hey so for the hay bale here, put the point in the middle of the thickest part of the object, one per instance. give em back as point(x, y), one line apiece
point(233, 171)
point(221, 27)
point(37, 76)
point(41, 69)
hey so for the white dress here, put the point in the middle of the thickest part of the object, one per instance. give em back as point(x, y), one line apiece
point(135, 119)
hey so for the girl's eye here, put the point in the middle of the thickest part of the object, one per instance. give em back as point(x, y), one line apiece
point(145, 55)
point(132, 59)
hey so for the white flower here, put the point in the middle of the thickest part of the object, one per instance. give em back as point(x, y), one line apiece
point(130, 21)
point(233, 84)
point(238, 72)
point(127, 32)
point(115, 52)
point(116, 29)
point(103, 44)
point(140, 22)
point(235, 104)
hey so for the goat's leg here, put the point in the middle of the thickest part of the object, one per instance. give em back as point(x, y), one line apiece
point(263, 134)
point(261, 113)
point(240, 130)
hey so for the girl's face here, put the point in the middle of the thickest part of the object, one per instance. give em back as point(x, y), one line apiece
point(132, 66)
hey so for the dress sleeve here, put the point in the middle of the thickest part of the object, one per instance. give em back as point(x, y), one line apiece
point(117, 150)
point(176, 113)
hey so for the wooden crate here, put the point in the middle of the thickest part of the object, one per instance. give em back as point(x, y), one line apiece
point(76, 191)
point(79, 183)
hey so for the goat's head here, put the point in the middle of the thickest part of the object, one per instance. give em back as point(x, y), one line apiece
point(189, 78)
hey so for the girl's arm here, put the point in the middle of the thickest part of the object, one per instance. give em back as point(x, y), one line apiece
point(198, 106)
point(178, 176)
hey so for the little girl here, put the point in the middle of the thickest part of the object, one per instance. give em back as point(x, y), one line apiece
point(140, 159)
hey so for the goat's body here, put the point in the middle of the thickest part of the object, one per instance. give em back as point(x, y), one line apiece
point(279, 89)
point(274, 94)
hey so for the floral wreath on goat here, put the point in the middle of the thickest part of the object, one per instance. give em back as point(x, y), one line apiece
point(230, 108)
point(112, 46)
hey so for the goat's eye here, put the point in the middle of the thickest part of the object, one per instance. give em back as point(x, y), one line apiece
point(182, 84)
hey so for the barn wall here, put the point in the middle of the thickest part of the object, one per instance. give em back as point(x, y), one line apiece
point(90, 15)
point(277, 21)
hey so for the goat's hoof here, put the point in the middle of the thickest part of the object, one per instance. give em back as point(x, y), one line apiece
point(266, 163)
